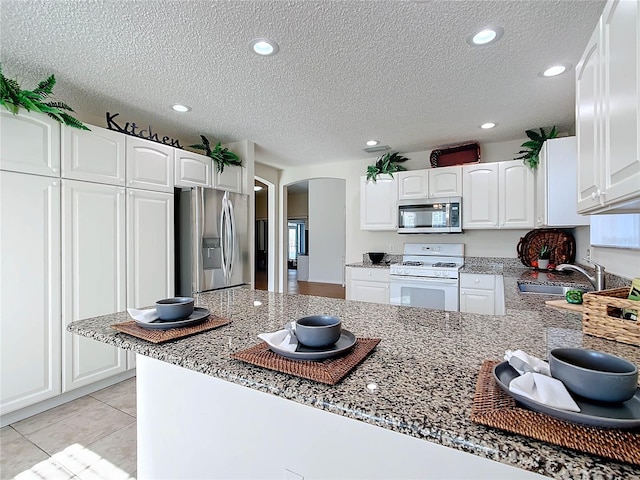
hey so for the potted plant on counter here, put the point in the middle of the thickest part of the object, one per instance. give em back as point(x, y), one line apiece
point(387, 163)
point(543, 257)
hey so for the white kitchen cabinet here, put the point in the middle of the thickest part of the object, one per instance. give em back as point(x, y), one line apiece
point(498, 195)
point(445, 182)
point(192, 169)
point(368, 284)
point(430, 183)
point(230, 179)
point(480, 196)
point(93, 276)
point(150, 247)
point(556, 192)
point(30, 308)
point(93, 156)
point(607, 112)
point(378, 203)
point(150, 165)
point(482, 293)
point(150, 250)
point(516, 184)
point(413, 184)
point(29, 143)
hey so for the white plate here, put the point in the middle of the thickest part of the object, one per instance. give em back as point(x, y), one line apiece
point(344, 343)
point(199, 314)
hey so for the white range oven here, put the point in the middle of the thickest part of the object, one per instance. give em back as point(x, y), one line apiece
point(427, 277)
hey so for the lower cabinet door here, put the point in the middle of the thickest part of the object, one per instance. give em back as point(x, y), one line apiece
point(477, 301)
point(93, 234)
point(150, 252)
point(374, 292)
point(30, 293)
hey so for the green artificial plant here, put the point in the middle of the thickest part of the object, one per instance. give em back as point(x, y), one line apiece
point(222, 156)
point(387, 163)
point(545, 253)
point(12, 97)
point(531, 156)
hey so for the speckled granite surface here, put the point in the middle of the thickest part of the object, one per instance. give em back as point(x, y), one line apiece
point(426, 366)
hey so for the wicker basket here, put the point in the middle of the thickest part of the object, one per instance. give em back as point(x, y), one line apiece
point(599, 320)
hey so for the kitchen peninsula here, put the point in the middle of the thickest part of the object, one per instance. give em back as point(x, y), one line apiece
point(202, 414)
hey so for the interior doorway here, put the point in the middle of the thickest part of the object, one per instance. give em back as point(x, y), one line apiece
point(265, 235)
point(315, 237)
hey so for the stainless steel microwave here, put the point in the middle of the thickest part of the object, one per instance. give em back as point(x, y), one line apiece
point(430, 215)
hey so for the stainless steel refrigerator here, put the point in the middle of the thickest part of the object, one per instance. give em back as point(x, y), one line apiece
point(212, 243)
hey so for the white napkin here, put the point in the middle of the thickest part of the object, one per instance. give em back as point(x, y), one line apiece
point(537, 365)
point(143, 316)
point(282, 339)
point(543, 389)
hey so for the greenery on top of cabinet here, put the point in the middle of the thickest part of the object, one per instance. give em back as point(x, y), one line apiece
point(531, 156)
point(222, 156)
point(387, 163)
point(12, 97)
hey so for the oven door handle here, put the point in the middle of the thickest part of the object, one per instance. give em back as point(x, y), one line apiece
point(422, 280)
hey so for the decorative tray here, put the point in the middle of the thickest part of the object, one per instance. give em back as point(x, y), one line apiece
point(457, 155)
point(562, 245)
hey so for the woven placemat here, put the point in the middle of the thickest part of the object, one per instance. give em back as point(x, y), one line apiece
point(494, 408)
point(329, 371)
point(161, 336)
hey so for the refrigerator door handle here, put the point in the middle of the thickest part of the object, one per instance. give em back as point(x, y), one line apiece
point(197, 247)
point(232, 236)
point(223, 236)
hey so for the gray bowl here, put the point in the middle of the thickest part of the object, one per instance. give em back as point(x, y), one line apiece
point(594, 375)
point(177, 308)
point(318, 330)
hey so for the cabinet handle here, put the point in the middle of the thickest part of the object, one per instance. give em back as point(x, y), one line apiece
point(55, 184)
point(477, 280)
point(122, 180)
point(54, 170)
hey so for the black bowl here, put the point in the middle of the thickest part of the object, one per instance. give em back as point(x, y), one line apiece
point(376, 257)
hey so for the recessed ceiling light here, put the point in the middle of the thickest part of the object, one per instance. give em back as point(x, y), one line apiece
point(485, 36)
point(555, 70)
point(181, 108)
point(257, 188)
point(264, 46)
point(373, 143)
point(488, 125)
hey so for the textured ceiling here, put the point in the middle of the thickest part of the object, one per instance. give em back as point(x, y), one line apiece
point(347, 71)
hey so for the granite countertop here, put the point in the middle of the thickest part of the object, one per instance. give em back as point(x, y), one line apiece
point(426, 366)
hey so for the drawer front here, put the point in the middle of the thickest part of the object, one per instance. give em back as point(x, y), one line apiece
point(482, 281)
point(370, 274)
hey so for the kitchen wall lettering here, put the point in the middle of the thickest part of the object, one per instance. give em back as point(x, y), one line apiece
point(133, 130)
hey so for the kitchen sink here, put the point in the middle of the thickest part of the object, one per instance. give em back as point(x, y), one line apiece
point(546, 289)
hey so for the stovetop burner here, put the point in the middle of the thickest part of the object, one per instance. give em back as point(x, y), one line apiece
point(410, 263)
point(444, 265)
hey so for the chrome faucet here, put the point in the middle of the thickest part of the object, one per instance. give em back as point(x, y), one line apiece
point(597, 280)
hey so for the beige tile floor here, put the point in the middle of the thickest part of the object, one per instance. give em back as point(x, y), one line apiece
point(93, 437)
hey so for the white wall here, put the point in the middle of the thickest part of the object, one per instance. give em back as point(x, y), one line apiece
point(327, 230)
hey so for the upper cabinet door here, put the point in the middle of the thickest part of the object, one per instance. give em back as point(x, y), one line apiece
point(192, 169)
point(620, 101)
point(29, 143)
point(445, 182)
point(480, 196)
point(149, 165)
point(93, 156)
point(230, 179)
point(413, 184)
point(378, 204)
point(517, 195)
point(588, 124)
